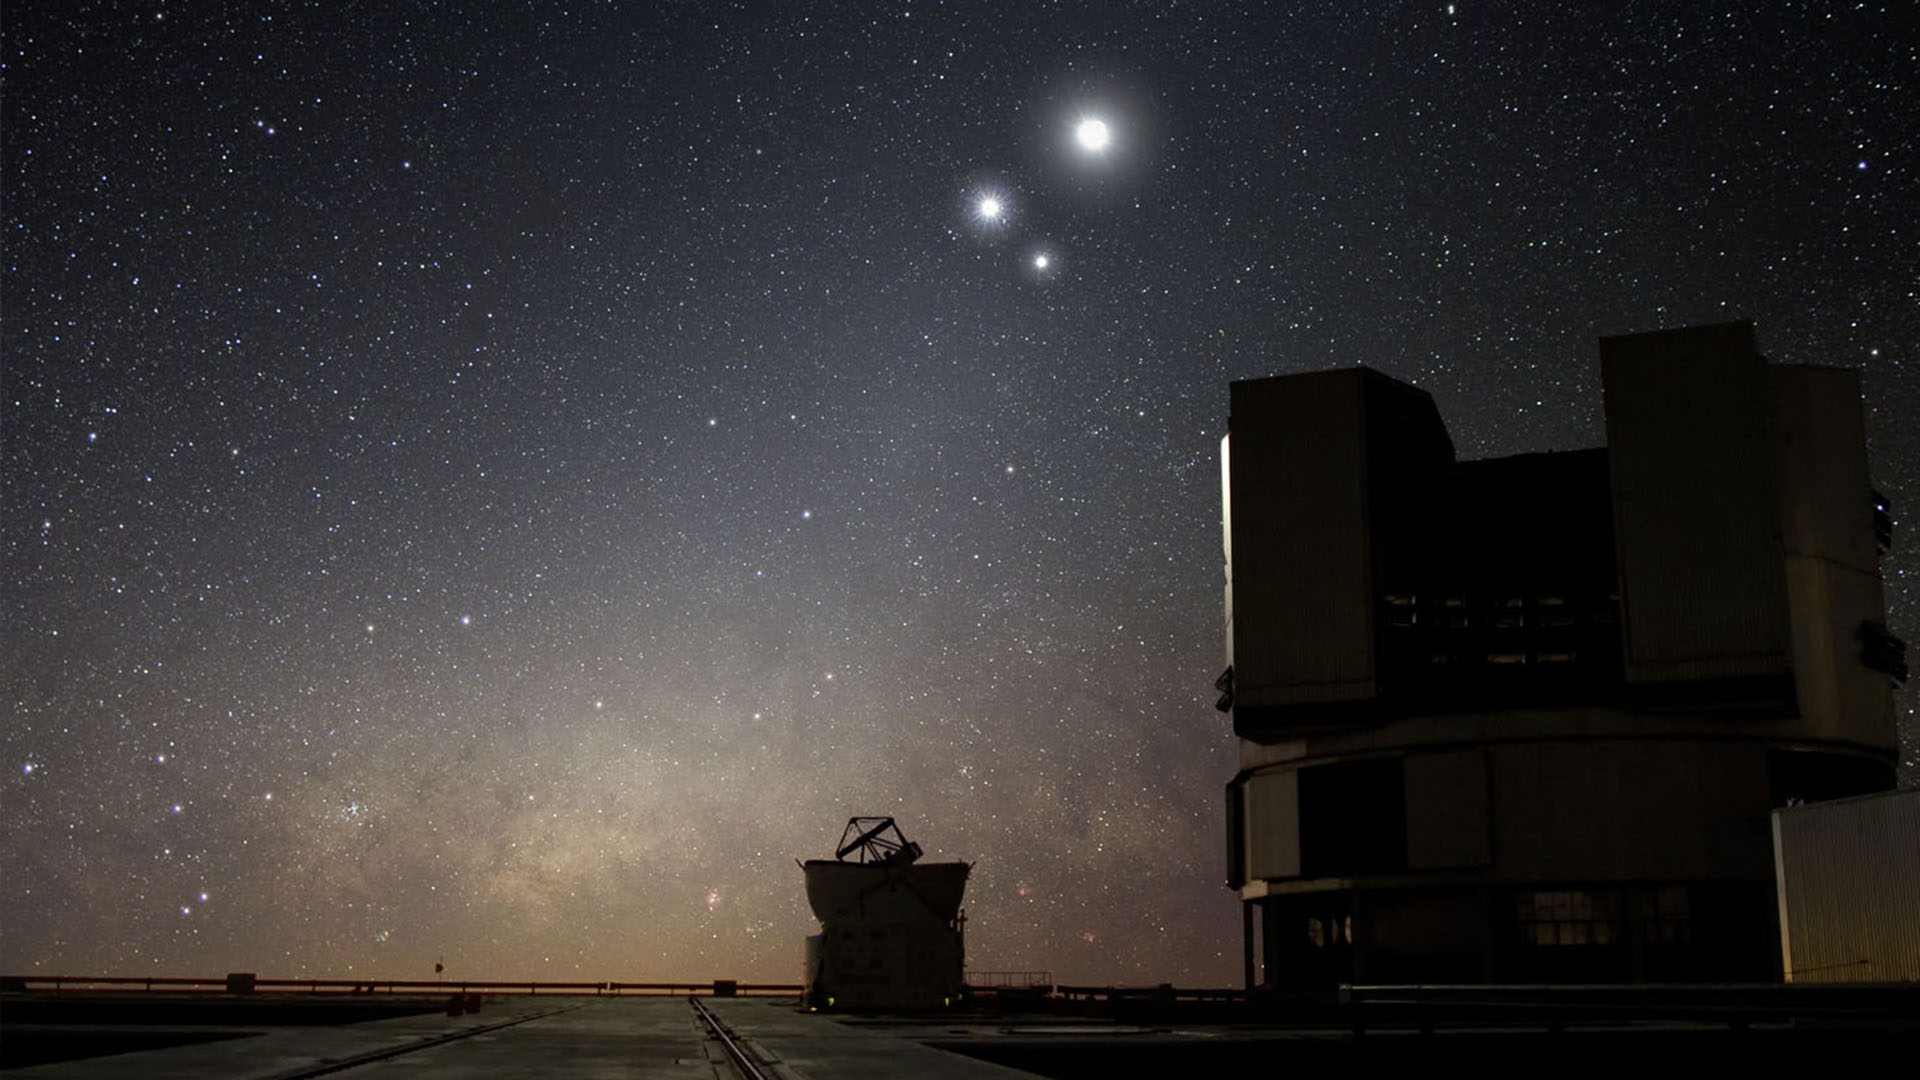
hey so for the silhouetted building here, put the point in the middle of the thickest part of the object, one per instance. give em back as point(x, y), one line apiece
point(891, 932)
point(1525, 718)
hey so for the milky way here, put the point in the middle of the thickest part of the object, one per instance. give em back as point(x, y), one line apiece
point(496, 486)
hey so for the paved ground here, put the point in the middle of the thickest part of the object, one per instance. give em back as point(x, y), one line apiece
point(581, 1039)
point(617, 1037)
point(260, 1052)
point(817, 1048)
point(584, 1038)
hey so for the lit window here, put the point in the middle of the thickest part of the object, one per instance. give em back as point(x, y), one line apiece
point(1401, 609)
point(1570, 917)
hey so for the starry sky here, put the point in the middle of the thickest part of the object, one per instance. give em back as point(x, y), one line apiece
point(496, 483)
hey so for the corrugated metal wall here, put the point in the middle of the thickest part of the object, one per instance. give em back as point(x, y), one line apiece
point(1848, 875)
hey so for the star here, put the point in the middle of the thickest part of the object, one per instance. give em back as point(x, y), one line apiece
point(503, 373)
point(1093, 135)
point(990, 208)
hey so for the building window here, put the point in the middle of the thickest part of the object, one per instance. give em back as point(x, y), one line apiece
point(1665, 918)
point(1511, 615)
point(1566, 917)
point(1554, 614)
point(1321, 934)
point(1403, 610)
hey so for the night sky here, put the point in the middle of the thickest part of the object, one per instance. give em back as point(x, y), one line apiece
point(497, 483)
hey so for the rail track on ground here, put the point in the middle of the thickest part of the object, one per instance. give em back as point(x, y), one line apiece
point(737, 1055)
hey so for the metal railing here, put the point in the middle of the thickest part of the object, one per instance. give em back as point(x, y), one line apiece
point(1163, 992)
point(58, 984)
point(1009, 980)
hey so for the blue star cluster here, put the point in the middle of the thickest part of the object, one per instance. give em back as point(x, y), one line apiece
point(495, 483)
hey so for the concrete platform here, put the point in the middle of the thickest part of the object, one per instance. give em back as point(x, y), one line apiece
point(814, 1047)
point(615, 1037)
point(579, 1038)
point(257, 1051)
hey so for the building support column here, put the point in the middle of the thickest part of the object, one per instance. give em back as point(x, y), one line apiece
point(1246, 939)
point(1492, 940)
point(1356, 931)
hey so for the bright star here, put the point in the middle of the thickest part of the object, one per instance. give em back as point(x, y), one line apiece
point(990, 209)
point(1093, 135)
point(988, 203)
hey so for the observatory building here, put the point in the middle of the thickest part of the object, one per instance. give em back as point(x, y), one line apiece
point(1525, 719)
point(891, 932)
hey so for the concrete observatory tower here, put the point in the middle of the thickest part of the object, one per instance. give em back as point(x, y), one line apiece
point(1525, 719)
point(891, 931)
